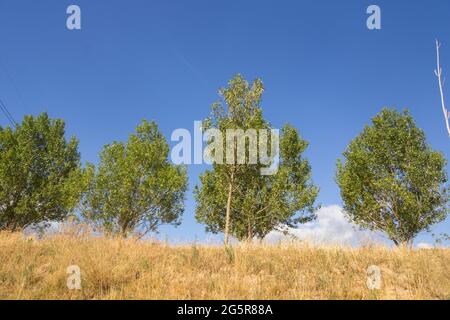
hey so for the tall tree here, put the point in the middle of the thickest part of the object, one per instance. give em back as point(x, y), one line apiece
point(391, 180)
point(235, 197)
point(135, 188)
point(39, 173)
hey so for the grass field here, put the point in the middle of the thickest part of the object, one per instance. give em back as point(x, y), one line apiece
point(131, 269)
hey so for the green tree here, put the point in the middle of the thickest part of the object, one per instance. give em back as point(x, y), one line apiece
point(135, 188)
point(39, 173)
point(236, 198)
point(391, 180)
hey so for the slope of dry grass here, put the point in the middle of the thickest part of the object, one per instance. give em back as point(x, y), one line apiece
point(130, 269)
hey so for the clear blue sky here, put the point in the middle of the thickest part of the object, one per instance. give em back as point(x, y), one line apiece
point(323, 70)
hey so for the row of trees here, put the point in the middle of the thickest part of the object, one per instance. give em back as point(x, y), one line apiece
point(134, 187)
point(390, 179)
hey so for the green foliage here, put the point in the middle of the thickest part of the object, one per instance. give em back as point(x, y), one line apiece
point(135, 188)
point(441, 238)
point(392, 181)
point(257, 204)
point(39, 173)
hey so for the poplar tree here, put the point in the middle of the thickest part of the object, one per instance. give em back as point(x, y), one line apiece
point(235, 198)
point(393, 181)
point(39, 173)
point(134, 187)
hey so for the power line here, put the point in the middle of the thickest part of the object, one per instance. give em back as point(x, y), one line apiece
point(7, 114)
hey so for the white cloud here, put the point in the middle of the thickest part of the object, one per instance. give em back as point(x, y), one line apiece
point(424, 245)
point(330, 227)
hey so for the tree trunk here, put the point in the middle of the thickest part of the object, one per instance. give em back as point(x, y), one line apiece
point(249, 232)
point(124, 230)
point(404, 243)
point(228, 212)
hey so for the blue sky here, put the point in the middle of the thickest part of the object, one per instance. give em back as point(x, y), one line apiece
point(323, 70)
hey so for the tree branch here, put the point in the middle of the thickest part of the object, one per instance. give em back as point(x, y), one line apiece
point(438, 73)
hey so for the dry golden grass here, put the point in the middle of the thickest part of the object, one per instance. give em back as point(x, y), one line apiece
point(131, 269)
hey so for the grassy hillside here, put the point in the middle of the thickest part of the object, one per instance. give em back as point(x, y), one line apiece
point(130, 269)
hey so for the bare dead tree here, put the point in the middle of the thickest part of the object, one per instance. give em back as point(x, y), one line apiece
point(438, 73)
